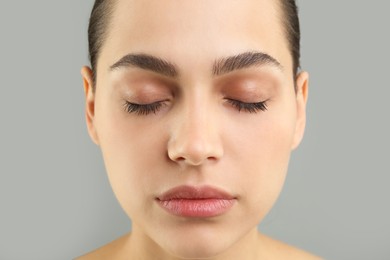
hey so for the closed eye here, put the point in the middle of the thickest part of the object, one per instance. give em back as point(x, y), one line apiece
point(143, 109)
point(248, 107)
point(146, 109)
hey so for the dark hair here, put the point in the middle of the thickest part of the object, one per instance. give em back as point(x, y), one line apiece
point(98, 30)
point(103, 9)
point(290, 20)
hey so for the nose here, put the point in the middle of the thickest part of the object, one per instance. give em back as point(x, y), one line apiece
point(195, 138)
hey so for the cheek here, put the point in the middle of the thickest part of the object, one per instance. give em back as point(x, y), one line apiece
point(262, 153)
point(269, 161)
point(131, 152)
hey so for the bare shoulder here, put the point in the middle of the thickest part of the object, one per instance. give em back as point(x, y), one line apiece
point(280, 250)
point(108, 251)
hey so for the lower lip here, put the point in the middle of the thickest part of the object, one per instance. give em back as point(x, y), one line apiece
point(197, 208)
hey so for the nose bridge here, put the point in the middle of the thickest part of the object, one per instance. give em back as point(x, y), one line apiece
point(198, 126)
point(195, 135)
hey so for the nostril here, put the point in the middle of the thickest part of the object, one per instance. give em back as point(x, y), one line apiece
point(193, 160)
point(176, 157)
point(180, 159)
point(212, 158)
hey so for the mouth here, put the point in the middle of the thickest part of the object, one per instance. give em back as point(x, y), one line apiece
point(196, 202)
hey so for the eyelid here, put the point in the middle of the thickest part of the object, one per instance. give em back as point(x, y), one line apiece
point(143, 109)
point(248, 107)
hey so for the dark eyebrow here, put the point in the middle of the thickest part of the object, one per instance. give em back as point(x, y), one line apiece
point(244, 60)
point(147, 62)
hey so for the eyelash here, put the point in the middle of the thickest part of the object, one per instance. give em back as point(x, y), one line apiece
point(248, 107)
point(145, 109)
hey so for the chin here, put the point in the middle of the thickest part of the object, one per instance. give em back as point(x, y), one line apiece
point(197, 247)
point(196, 251)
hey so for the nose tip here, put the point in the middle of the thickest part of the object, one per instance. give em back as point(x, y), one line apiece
point(194, 151)
point(195, 142)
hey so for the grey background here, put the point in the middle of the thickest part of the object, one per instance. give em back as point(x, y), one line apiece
point(55, 199)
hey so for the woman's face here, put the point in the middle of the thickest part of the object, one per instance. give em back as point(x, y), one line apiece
point(198, 95)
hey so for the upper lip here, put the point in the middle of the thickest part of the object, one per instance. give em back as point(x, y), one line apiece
point(192, 192)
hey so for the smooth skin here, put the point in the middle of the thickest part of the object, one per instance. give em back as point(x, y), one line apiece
point(197, 136)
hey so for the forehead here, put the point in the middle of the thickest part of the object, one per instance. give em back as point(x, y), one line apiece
point(196, 29)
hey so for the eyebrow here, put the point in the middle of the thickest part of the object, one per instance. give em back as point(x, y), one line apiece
point(243, 61)
point(147, 62)
point(221, 66)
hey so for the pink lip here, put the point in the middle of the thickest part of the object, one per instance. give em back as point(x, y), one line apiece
point(196, 202)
